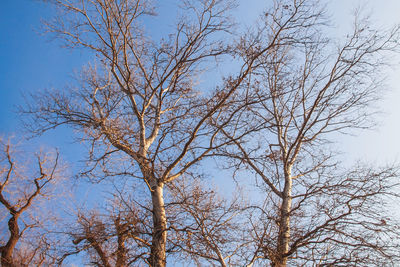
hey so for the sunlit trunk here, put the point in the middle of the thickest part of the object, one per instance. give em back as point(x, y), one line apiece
point(158, 245)
point(284, 223)
point(122, 251)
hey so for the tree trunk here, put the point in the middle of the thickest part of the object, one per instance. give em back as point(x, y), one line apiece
point(284, 223)
point(158, 245)
point(122, 236)
point(8, 249)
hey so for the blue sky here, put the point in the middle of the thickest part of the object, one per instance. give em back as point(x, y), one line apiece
point(382, 144)
point(28, 61)
point(31, 62)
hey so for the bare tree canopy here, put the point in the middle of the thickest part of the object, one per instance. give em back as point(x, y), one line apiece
point(141, 102)
point(146, 114)
point(117, 235)
point(21, 188)
point(303, 92)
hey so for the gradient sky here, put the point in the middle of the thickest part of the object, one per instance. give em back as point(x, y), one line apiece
point(31, 62)
point(382, 144)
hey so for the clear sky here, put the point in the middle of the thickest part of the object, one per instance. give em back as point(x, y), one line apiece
point(383, 143)
point(30, 62)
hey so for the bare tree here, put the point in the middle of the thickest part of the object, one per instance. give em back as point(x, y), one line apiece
point(21, 188)
point(142, 108)
point(303, 92)
point(115, 236)
point(203, 227)
point(206, 228)
point(145, 114)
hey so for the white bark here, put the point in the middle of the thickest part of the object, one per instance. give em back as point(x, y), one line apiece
point(284, 223)
point(158, 255)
